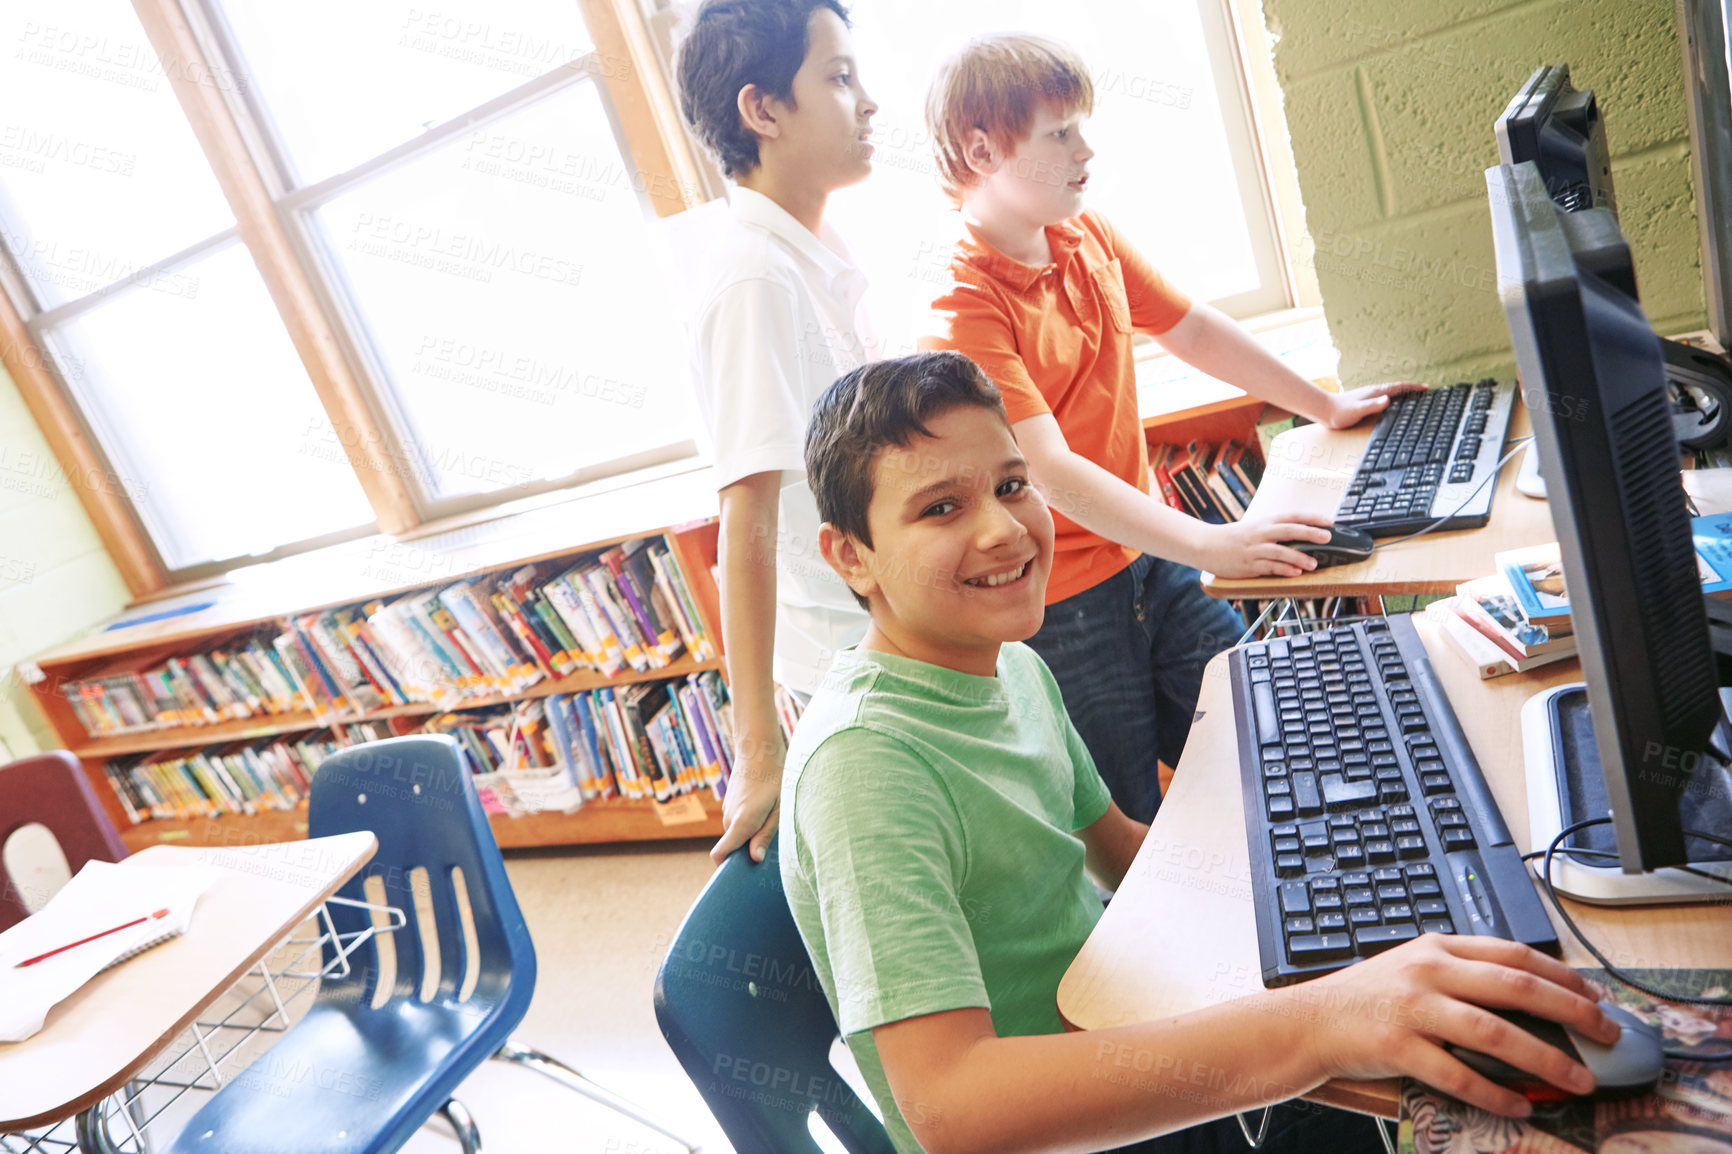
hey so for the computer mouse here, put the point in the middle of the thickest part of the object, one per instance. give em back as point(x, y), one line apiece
point(1632, 1064)
point(1344, 545)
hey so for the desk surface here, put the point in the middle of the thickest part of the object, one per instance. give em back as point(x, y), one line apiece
point(103, 1035)
point(1181, 934)
point(1308, 470)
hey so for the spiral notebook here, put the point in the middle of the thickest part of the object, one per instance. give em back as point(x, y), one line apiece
point(101, 896)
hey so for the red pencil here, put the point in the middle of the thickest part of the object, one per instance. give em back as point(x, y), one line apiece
point(91, 938)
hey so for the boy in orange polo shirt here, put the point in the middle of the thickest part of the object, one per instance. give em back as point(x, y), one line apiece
point(1045, 298)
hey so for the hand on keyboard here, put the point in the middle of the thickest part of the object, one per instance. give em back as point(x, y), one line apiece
point(1348, 409)
point(1253, 549)
point(1389, 1015)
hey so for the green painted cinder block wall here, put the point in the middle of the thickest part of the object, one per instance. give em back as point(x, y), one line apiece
point(1390, 105)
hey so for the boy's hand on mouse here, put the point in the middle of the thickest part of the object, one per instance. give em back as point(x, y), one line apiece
point(1348, 409)
point(1254, 549)
point(752, 808)
point(1391, 1014)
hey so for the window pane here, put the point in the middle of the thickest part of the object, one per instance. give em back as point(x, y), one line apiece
point(346, 80)
point(100, 175)
point(200, 402)
point(508, 284)
point(1162, 172)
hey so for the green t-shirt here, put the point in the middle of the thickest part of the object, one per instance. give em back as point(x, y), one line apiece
point(928, 850)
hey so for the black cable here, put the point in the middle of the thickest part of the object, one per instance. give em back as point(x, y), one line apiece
point(1545, 879)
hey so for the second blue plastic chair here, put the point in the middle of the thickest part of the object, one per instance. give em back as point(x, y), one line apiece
point(740, 1004)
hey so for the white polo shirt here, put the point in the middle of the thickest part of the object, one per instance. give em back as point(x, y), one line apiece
point(778, 319)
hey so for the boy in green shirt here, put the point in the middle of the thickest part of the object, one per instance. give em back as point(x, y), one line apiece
point(940, 810)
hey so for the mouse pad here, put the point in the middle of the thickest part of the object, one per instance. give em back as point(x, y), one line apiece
point(1689, 1112)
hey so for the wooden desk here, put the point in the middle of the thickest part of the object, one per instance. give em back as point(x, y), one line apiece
point(1308, 470)
point(98, 1039)
point(1180, 933)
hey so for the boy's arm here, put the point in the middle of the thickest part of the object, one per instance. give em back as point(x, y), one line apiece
point(1212, 341)
point(1112, 843)
point(747, 557)
point(1102, 503)
point(963, 1089)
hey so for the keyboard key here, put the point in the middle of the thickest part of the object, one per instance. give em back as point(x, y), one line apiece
point(1362, 916)
point(1327, 900)
point(1289, 865)
point(1280, 808)
point(1349, 854)
point(1423, 869)
point(1410, 846)
point(1327, 922)
point(1295, 899)
point(1339, 794)
point(1300, 925)
point(1424, 887)
point(1318, 947)
point(1431, 908)
point(1397, 912)
point(1360, 896)
point(1375, 939)
point(1386, 874)
point(1457, 838)
point(1286, 845)
point(1437, 926)
point(1388, 892)
point(1305, 795)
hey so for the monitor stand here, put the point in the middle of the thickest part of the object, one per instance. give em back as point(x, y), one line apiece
point(1565, 786)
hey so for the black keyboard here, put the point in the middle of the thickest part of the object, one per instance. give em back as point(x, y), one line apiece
point(1367, 818)
point(1426, 458)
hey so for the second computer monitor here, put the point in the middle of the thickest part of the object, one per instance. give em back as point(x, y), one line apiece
point(1560, 130)
point(1593, 378)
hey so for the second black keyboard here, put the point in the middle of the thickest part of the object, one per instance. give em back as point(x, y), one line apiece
point(1367, 818)
point(1427, 458)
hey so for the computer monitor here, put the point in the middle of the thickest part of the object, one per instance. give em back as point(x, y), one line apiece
point(1593, 379)
point(1560, 130)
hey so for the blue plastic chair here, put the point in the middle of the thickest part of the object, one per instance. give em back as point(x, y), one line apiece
point(740, 1005)
point(349, 1078)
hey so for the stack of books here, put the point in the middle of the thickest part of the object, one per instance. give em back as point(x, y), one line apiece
point(1519, 617)
point(1213, 483)
point(489, 636)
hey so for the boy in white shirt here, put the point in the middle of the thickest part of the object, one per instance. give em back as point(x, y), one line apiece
point(771, 88)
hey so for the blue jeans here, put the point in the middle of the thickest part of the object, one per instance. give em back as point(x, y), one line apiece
point(1128, 656)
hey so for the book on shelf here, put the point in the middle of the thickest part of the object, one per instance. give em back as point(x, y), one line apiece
point(494, 635)
point(654, 740)
point(1214, 483)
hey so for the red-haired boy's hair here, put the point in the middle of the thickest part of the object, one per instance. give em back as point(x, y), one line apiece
point(998, 84)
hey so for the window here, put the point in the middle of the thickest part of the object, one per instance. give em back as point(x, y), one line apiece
point(310, 271)
point(1177, 167)
point(462, 301)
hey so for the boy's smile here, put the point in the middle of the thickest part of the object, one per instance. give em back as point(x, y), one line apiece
point(962, 545)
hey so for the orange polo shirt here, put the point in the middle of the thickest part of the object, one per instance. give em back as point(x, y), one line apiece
point(1058, 340)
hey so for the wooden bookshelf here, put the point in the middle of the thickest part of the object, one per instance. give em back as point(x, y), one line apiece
point(680, 506)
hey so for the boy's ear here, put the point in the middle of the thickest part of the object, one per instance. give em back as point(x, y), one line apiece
point(847, 557)
point(758, 112)
point(979, 154)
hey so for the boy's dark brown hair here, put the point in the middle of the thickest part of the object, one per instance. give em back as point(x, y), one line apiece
point(876, 407)
point(733, 43)
point(997, 84)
